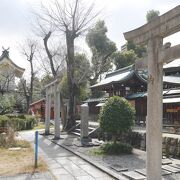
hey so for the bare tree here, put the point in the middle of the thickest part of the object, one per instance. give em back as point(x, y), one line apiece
point(55, 53)
point(25, 91)
point(72, 18)
point(28, 49)
point(5, 82)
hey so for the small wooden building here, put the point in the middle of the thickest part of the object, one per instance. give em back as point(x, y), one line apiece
point(38, 108)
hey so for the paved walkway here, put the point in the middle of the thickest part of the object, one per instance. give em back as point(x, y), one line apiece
point(35, 176)
point(63, 164)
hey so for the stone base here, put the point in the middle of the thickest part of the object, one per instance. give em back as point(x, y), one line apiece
point(46, 133)
point(56, 138)
point(85, 141)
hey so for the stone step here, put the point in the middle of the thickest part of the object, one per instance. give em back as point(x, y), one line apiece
point(143, 172)
point(134, 175)
point(118, 168)
point(76, 133)
point(166, 161)
point(91, 128)
point(175, 165)
point(77, 130)
point(171, 169)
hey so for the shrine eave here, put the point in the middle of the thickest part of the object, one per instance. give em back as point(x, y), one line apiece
point(18, 70)
point(173, 80)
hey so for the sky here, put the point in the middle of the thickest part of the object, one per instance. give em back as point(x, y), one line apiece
point(120, 16)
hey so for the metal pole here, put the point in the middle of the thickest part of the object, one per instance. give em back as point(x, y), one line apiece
point(36, 149)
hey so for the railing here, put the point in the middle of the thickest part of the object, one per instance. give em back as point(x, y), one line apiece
point(168, 125)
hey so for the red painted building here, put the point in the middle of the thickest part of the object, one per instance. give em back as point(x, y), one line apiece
point(38, 108)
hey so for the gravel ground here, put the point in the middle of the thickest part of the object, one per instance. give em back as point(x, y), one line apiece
point(136, 160)
point(132, 161)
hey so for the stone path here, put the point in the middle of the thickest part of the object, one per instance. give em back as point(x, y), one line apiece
point(36, 176)
point(69, 166)
point(63, 164)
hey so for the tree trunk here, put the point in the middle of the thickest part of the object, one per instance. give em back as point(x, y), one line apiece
point(114, 139)
point(26, 94)
point(31, 84)
point(28, 103)
point(50, 57)
point(70, 77)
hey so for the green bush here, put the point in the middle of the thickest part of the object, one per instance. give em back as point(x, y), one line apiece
point(21, 143)
point(118, 148)
point(7, 103)
point(3, 120)
point(17, 122)
point(116, 117)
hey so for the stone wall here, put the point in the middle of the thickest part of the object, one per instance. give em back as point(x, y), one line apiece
point(170, 145)
point(137, 140)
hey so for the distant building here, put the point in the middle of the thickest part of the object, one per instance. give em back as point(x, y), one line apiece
point(8, 72)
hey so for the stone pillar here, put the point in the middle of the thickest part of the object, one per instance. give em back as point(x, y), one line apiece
point(84, 124)
point(56, 113)
point(154, 111)
point(48, 112)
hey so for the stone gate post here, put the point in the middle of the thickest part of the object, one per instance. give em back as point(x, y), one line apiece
point(84, 124)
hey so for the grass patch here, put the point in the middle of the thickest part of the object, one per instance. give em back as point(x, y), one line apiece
point(22, 144)
point(41, 125)
point(20, 161)
point(112, 149)
point(96, 152)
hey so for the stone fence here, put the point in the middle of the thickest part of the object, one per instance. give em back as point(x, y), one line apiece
point(170, 145)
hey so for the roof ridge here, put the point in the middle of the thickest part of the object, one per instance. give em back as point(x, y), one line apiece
point(5, 56)
point(122, 70)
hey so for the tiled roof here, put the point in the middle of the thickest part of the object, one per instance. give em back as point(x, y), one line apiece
point(119, 76)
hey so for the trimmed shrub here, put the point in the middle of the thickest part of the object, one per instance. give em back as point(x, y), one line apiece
point(117, 116)
point(116, 148)
point(3, 120)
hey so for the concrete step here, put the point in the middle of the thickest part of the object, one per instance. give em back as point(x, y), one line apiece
point(91, 128)
point(77, 130)
point(76, 133)
point(134, 175)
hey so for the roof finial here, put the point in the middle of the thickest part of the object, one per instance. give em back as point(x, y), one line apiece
point(5, 52)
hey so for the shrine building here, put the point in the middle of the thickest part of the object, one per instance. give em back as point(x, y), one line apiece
point(131, 83)
point(8, 72)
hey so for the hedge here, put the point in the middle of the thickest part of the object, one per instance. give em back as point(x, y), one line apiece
point(17, 122)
